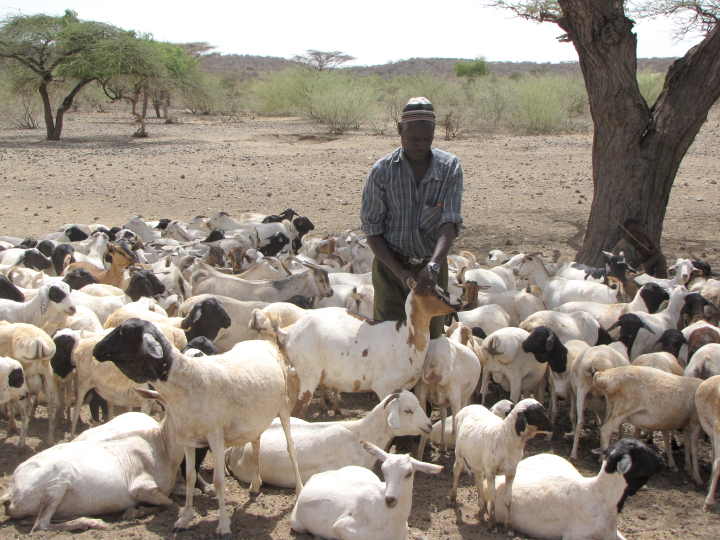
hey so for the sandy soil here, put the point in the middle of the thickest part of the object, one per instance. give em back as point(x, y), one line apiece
point(521, 192)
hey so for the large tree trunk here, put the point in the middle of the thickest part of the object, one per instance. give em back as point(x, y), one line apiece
point(47, 106)
point(636, 150)
point(64, 107)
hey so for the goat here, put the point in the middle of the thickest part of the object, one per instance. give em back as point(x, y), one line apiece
point(326, 446)
point(359, 354)
point(353, 503)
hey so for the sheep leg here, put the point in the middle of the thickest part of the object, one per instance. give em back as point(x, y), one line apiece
point(540, 391)
point(668, 450)
point(484, 385)
point(457, 469)
point(52, 410)
point(553, 410)
point(573, 410)
point(580, 423)
point(284, 414)
point(305, 394)
point(187, 512)
point(23, 422)
point(83, 523)
point(346, 528)
point(694, 435)
point(508, 499)
point(491, 496)
point(255, 481)
point(607, 429)
point(323, 403)
point(336, 402)
point(443, 418)
point(421, 446)
point(710, 500)
point(145, 490)
point(217, 447)
point(52, 497)
point(76, 411)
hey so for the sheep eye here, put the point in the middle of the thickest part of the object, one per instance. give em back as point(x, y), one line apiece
point(409, 411)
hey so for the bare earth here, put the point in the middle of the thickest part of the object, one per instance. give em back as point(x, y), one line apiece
point(529, 193)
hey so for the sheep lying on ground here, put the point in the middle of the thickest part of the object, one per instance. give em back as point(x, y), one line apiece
point(325, 446)
point(242, 391)
point(491, 446)
point(129, 462)
point(353, 503)
point(652, 399)
point(551, 499)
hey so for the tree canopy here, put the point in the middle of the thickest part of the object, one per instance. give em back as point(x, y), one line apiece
point(637, 148)
point(321, 60)
point(57, 50)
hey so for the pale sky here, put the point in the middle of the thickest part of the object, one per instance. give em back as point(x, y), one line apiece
point(373, 31)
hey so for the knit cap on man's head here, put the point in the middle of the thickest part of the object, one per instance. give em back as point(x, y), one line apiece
point(418, 108)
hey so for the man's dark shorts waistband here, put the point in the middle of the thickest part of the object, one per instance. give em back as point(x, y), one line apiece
point(404, 259)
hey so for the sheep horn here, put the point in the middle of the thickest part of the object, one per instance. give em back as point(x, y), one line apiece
point(394, 395)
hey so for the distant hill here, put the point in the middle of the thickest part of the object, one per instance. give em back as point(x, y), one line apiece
point(243, 66)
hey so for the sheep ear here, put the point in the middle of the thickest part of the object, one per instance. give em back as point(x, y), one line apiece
point(151, 347)
point(608, 255)
point(374, 450)
point(599, 451)
point(646, 327)
point(614, 326)
point(43, 301)
point(624, 464)
point(520, 424)
point(394, 416)
point(551, 341)
point(411, 283)
point(427, 468)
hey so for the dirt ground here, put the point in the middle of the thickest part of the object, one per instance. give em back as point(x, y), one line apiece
point(522, 192)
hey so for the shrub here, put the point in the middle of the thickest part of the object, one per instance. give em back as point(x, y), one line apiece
point(340, 103)
point(650, 84)
point(545, 103)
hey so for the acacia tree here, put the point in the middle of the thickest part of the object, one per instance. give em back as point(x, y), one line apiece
point(472, 69)
point(47, 47)
point(321, 60)
point(637, 147)
point(128, 66)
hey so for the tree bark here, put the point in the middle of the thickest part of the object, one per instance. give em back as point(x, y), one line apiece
point(636, 149)
point(64, 107)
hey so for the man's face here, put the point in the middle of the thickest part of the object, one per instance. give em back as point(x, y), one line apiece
point(416, 138)
point(634, 233)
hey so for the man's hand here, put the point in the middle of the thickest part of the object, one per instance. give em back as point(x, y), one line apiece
point(403, 275)
point(426, 281)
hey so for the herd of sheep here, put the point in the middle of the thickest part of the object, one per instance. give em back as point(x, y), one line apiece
point(226, 327)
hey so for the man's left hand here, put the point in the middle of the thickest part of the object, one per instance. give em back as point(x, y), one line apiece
point(426, 281)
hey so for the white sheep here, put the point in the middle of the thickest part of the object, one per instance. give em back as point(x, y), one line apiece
point(705, 363)
point(654, 400)
point(353, 503)
point(242, 391)
point(681, 271)
point(52, 299)
point(579, 325)
point(326, 446)
point(519, 305)
point(558, 291)
point(490, 318)
point(491, 446)
point(501, 409)
point(516, 370)
point(551, 499)
point(129, 462)
point(707, 402)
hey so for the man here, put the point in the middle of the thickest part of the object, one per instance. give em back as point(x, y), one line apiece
point(411, 214)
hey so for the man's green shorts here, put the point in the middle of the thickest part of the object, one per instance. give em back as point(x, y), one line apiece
point(391, 293)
